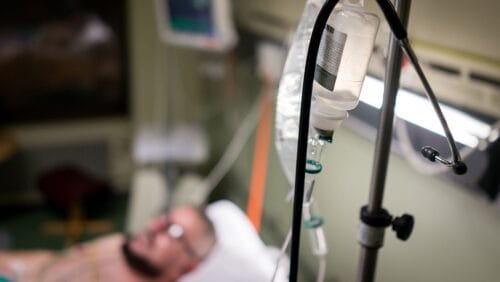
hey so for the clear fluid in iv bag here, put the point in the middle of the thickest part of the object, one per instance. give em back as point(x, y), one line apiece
point(290, 91)
point(344, 55)
point(287, 122)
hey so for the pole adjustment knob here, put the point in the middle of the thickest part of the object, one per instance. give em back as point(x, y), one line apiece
point(403, 226)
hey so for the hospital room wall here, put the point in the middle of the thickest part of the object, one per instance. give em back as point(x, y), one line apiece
point(157, 69)
point(456, 234)
point(456, 237)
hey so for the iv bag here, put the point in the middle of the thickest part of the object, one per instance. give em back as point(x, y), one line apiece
point(290, 91)
point(343, 56)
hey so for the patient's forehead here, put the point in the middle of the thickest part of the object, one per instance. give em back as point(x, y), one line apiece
point(195, 226)
point(188, 217)
point(186, 212)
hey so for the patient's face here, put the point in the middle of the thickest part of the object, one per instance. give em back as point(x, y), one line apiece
point(173, 244)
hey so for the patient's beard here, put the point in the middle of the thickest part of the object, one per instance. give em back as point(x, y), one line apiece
point(138, 263)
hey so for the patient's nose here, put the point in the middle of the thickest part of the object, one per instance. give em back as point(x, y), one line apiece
point(157, 225)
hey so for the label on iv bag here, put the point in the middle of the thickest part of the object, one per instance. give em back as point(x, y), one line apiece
point(329, 56)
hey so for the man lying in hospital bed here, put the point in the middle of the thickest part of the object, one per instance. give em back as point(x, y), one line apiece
point(215, 244)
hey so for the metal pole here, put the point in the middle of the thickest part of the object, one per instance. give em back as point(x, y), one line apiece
point(370, 237)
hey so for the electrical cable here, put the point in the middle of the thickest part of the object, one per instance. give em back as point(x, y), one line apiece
point(312, 54)
point(400, 32)
point(432, 98)
point(414, 157)
point(233, 150)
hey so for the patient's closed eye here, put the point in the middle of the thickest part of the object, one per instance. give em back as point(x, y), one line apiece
point(176, 232)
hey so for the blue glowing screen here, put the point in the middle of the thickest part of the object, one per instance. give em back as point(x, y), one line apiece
point(192, 16)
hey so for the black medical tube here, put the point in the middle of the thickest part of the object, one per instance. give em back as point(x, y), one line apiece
point(400, 32)
point(393, 19)
point(300, 168)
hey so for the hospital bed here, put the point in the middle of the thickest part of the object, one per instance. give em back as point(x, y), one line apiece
point(239, 255)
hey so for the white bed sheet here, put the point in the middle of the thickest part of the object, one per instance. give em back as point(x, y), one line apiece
point(239, 255)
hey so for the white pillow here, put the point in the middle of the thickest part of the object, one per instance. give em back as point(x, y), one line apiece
point(239, 255)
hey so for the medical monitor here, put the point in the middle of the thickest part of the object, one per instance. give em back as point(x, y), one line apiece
point(201, 24)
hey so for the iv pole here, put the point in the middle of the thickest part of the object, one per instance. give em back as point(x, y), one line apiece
point(371, 233)
point(374, 218)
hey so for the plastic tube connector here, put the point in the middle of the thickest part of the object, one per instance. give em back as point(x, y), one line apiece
point(430, 153)
point(326, 119)
point(459, 167)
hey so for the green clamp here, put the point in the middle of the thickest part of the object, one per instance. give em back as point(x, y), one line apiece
point(313, 222)
point(313, 167)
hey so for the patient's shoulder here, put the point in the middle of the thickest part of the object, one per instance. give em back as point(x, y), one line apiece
point(103, 243)
point(26, 255)
point(114, 237)
point(28, 262)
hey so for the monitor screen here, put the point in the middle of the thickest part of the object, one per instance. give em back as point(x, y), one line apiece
point(191, 16)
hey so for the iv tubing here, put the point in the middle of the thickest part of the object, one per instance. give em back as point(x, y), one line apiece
point(399, 31)
point(405, 45)
point(321, 269)
point(414, 157)
point(305, 107)
point(284, 247)
point(233, 150)
point(316, 148)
